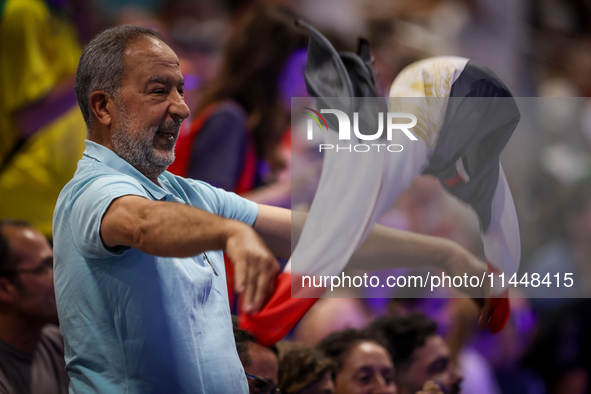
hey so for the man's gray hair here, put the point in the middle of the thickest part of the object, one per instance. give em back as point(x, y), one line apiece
point(102, 64)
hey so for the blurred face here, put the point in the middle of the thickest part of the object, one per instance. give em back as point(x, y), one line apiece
point(430, 362)
point(149, 108)
point(31, 288)
point(263, 364)
point(368, 369)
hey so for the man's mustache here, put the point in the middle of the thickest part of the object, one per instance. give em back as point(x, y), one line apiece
point(170, 127)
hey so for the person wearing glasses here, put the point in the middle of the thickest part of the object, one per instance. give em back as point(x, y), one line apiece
point(31, 348)
point(260, 363)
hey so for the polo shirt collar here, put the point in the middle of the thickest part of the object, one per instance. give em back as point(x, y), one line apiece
point(109, 158)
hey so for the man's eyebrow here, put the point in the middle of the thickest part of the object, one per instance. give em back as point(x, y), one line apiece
point(163, 80)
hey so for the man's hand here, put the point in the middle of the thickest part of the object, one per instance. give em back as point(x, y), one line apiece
point(461, 262)
point(430, 387)
point(256, 267)
point(494, 311)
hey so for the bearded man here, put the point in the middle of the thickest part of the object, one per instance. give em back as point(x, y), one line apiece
point(139, 272)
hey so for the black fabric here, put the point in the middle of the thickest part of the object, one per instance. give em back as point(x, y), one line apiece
point(335, 78)
point(326, 75)
point(480, 118)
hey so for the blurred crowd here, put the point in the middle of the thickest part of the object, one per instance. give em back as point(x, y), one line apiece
point(242, 62)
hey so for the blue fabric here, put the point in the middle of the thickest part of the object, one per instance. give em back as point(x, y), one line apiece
point(132, 322)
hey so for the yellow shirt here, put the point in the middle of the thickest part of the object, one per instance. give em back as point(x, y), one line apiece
point(38, 49)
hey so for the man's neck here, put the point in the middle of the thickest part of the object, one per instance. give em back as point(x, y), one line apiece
point(101, 139)
point(19, 334)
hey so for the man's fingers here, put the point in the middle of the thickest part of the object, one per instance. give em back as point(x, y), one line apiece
point(485, 314)
point(255, 266)
point(239, 275)
point(479, 302)
point(250, 287)
point(262, 291)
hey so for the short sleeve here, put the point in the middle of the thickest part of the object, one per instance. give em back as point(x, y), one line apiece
point(218, 201)
point(89, 207)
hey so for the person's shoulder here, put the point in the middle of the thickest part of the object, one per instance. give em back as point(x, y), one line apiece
point(5, 386)
point(93, 173)
point(51, 335)
point(201, 188)
point(213, 199)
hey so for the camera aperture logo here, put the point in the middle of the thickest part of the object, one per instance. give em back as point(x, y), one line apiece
point(345, 130)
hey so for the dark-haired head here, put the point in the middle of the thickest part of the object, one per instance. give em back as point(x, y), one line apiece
point(403, 334)
point(254, 58)
point(361, 362)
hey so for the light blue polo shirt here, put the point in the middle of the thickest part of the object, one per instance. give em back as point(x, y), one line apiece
point(133, 322)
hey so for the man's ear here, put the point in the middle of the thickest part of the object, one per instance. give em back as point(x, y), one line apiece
point(8, 291)
point(98, 104)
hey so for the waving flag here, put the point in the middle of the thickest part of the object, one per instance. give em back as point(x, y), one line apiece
point(465, 116)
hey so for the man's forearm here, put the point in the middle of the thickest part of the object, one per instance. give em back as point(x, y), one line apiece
point(384, 247)
point(391, 248)
point(165, 228)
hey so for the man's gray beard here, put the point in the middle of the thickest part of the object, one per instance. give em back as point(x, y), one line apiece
point(137, 151)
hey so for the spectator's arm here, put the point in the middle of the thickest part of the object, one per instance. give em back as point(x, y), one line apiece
point(177, 230)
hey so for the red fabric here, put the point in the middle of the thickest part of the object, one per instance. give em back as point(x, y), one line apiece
point(279, 315)
point(501, 309)
point(230, 280)
point(183, 148)
point(501, 313)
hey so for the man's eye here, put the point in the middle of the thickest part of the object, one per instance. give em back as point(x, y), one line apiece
point(159, 91)
point(364, 379)
point(181, 92)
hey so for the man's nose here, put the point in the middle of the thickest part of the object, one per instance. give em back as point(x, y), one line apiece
point(179, 108)
point(457, 375)
point(381, 386)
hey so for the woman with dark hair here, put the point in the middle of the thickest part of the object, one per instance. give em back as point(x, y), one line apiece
point(304, 370)
point(233, 141)
point(362, 363)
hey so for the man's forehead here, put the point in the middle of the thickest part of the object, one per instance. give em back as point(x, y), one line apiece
point(149, 52)
point(26, 241)
point(433, 349)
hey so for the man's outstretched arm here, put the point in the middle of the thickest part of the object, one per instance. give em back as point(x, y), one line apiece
point(384, 248)
point(175, 230)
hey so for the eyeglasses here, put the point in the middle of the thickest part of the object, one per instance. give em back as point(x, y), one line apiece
point(263, 385)
point(46, 265)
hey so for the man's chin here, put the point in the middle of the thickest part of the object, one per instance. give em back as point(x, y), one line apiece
point(162, 159)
